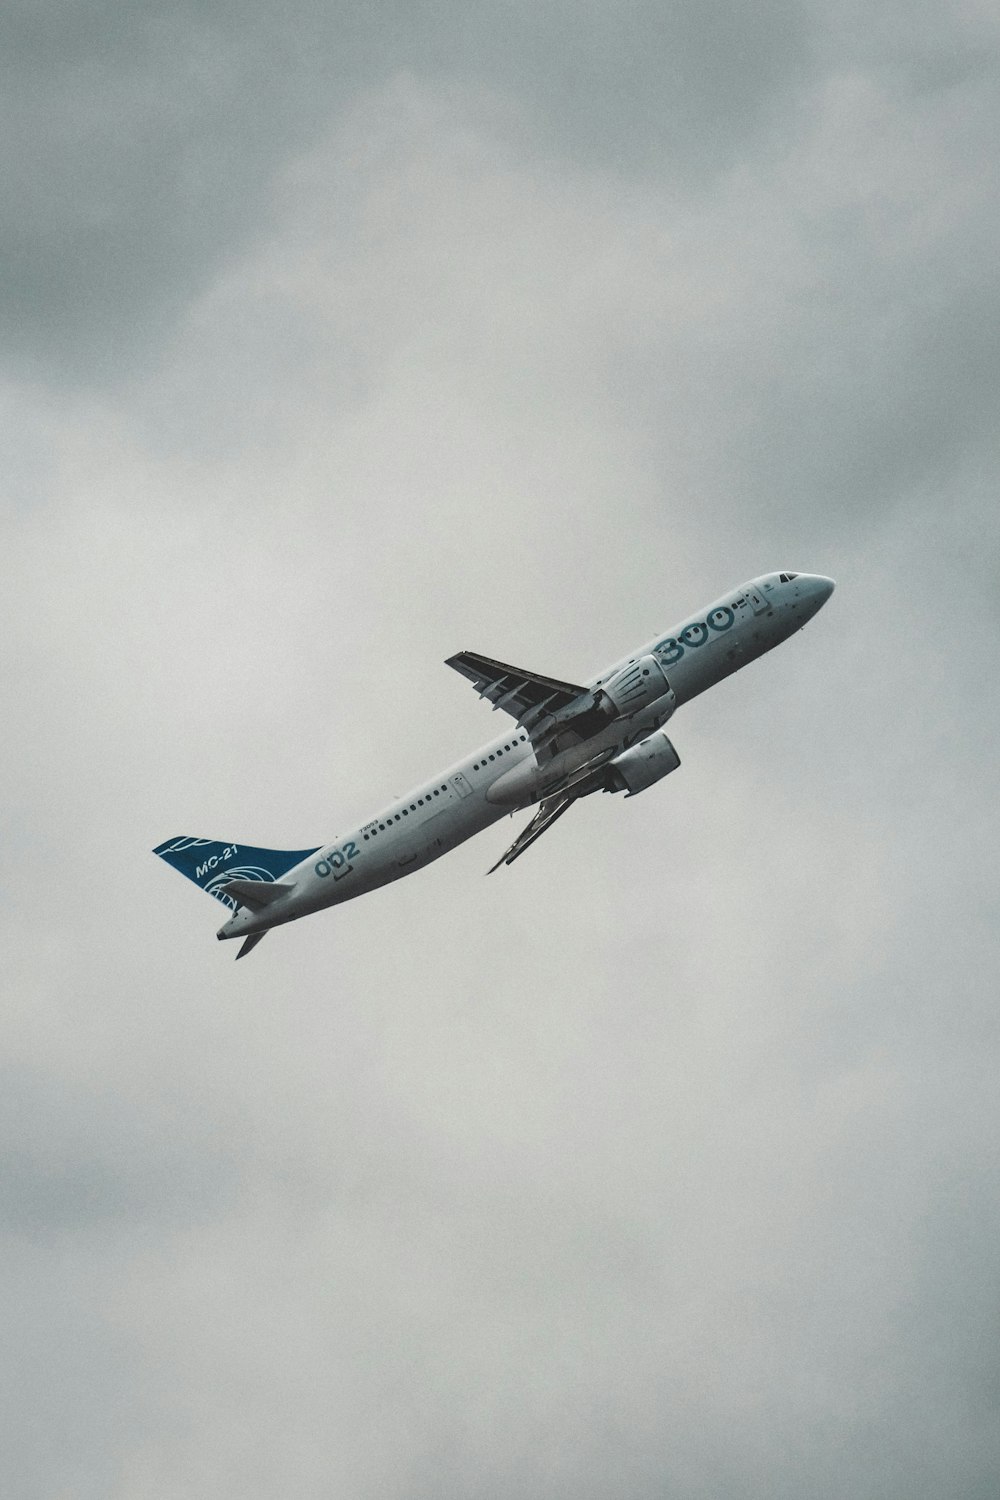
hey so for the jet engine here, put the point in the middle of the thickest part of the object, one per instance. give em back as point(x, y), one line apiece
point(642, 764)
point(636, 685)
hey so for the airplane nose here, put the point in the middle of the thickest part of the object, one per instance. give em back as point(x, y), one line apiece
point(815, 590)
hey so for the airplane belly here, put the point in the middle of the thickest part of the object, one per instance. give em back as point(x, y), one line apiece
point(421, 845)
point(708, 664)
point(451, 827)
point(409, 850)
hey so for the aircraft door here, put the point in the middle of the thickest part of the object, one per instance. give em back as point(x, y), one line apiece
point(461, 785)
point(757, 601)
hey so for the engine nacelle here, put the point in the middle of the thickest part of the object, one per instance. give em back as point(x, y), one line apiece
point(636, 685)
point(638, 767)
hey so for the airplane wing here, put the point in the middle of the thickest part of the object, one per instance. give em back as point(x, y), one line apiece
point(548, 811)
point(527, 696)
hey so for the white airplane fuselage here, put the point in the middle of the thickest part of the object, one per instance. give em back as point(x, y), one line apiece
point(503, 775)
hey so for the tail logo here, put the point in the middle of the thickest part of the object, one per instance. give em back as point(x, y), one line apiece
point(210, 863)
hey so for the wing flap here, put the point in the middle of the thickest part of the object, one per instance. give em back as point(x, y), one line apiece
point(548, 811)
point(527, 696)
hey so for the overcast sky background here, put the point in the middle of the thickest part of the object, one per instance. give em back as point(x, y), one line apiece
point(337, 340)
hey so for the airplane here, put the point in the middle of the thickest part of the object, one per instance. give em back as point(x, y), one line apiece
point(566, 741)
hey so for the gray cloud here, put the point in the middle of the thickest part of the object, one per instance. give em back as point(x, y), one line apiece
point(141, 141)
point(662, 1163)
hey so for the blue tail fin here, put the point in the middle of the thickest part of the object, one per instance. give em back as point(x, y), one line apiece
point(211, 863)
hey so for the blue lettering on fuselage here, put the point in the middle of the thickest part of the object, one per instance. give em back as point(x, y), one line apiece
point(337, 862)
point(696, 634)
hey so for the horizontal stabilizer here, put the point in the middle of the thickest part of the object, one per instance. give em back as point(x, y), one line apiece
point(250, 943)
point(256, 893)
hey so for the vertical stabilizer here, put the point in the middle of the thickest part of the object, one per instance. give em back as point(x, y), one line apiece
point(211, 864)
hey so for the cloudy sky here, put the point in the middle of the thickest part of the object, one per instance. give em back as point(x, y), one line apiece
point(335, 340)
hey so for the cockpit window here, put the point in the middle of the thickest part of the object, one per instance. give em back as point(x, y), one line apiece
point(786, 577)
